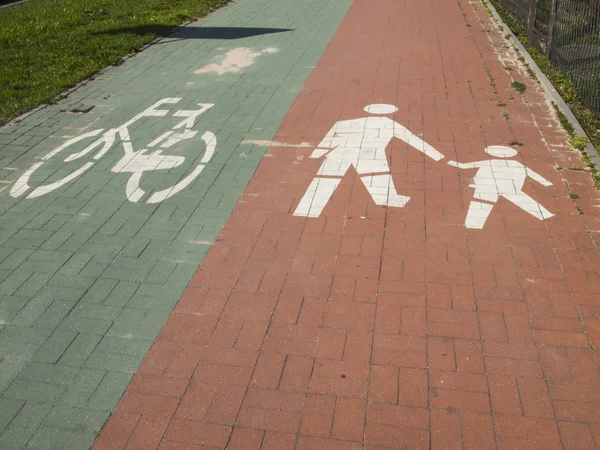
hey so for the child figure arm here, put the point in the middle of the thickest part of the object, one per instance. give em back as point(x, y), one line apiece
point(537, 177)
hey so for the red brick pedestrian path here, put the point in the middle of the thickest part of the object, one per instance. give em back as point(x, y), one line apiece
point(376, 327)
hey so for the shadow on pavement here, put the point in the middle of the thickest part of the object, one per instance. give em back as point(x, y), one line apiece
point(192, 32)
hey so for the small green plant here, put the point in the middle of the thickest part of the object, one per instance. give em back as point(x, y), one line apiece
point(501, 104)
point(578, 142)
point(573, 196)
point(519, 87)
point(506, 115)
point(593, 169)
point(579, 210)
point(564, 121)
point(532, 74)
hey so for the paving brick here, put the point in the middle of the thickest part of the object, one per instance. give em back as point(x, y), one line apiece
point(478, 431)
point(318, 415)
point(305, 443)
point(504, 394)
point(349, 419)
point(390, 436)
point(80, 349)
point(24, 424)
point(48, 373)
point(339, 378)
point(82, 387)
point(576, 436)
point(148, 405)
point(148, 433)
point(445, 429)
point(78, 420)
point(535, 398)
point(10, 368)
point(576, 411)
point(413, 387)
point(527, 428)
point(245, 438)
point(34, 390)
point(117, 431)
point(55, 346)
point(459, 400)
point(109, 390)
point(9, 409)
point(440, 354)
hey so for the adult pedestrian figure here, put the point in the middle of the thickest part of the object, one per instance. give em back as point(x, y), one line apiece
point(360, 143)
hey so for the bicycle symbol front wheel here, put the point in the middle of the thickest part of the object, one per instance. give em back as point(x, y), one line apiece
point(210, 140)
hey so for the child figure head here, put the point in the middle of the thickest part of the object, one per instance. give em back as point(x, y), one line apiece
point(500, 151)
point(380, 108)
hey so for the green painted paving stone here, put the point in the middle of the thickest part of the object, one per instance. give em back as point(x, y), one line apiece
point(24, 424)
point(109, 391)
point(8, 410)
point(76, 419)
point(52, 437)
point(88, 277)
point(55, 346)
point(83, 387)
point(80, 349)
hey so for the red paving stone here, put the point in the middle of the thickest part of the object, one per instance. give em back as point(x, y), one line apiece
point(374, 327)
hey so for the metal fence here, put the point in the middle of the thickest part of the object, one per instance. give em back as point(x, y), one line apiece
point(568, 33)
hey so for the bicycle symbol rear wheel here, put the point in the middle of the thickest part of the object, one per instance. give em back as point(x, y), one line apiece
point(22, 186)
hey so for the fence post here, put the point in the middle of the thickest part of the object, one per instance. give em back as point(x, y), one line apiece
point(531, 21)
point(551, 28)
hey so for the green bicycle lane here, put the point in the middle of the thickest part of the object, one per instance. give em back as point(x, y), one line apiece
point(89, 268)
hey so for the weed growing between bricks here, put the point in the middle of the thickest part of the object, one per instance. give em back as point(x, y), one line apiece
point(564, 86)
point(49, 46)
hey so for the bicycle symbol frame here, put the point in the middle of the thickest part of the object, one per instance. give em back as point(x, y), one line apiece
point(134, 162)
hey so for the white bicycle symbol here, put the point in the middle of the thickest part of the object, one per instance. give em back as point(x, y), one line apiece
point(134, 162)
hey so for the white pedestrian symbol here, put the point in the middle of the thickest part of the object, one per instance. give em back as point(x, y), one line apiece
point(360, 143)
point(500, 177)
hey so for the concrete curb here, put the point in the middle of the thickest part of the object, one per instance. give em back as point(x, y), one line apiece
point(547, 85)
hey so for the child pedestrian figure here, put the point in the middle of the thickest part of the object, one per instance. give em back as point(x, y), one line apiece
point(500, 177)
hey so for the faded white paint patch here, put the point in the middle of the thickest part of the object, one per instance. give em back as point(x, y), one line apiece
point(263, 143)
point(235, 60)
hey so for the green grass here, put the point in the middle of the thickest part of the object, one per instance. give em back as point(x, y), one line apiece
point(578, 142)
point(47, 46)
point(519, 87)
